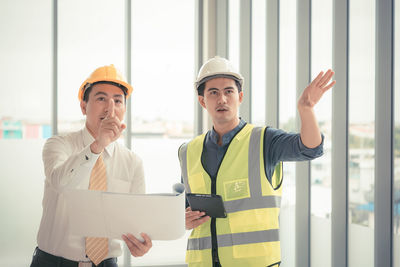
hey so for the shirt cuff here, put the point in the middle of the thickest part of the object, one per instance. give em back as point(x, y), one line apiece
point(318, 150)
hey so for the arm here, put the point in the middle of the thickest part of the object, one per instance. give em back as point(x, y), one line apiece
point(65, 166)
point(282, 146)
point(309, 132)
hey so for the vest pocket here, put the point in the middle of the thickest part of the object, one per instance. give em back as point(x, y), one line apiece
point(250, 250)
point(250, 232)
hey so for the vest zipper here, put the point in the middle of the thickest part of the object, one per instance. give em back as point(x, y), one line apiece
point(213, 226)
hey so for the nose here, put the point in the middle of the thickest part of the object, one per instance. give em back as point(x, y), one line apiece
point(222, 99)
point(108, 105)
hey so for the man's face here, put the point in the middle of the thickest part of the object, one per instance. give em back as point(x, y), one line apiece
point(221, 99)
point(96, 108)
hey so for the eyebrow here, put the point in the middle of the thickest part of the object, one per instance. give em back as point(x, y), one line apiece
point(103, 93)
point(226, 88)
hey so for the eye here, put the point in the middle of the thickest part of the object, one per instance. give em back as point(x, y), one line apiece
point(213, 92)
point(101, 98)
point(118, 101)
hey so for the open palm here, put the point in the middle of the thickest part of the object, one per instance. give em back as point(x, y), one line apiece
point(314, 91)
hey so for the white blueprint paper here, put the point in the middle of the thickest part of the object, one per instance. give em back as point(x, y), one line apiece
point(106, 214)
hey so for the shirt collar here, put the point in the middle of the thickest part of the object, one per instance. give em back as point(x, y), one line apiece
point(88, 139)
point(226, 138)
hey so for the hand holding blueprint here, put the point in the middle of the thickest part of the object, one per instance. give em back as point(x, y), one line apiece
point(107, 214)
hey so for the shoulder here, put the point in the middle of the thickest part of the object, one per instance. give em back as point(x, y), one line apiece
point(195, 141)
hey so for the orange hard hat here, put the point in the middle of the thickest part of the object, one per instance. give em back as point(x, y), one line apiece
point(105, 74)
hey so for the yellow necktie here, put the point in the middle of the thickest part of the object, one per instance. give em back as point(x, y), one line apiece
point(97, 247)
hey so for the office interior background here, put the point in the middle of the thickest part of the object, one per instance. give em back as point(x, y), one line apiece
point(342, 209)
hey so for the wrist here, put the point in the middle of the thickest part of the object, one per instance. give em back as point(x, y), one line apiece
point(96, 148)
point(304, 108)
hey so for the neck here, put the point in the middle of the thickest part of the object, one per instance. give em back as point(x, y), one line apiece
point(222, 128)
point(90, 131)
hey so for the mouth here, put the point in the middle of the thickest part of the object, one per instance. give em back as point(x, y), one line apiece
point(222, 109)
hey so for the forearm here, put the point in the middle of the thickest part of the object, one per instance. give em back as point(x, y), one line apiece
point(309, 130)
point(64, 167)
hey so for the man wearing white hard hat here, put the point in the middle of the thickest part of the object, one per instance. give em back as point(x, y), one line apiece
point(89, 159)
point(243, 164)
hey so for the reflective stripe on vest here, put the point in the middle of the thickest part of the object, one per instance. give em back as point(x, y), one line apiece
point(183, 161)
point(235, 239)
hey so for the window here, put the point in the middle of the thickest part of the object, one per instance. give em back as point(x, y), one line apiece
point(234, 30)
point(321, 192)
point(258, 67)
point(95, 37)
point(162, 101)
point(287, 115)
point(361, 132)
point(25, 115)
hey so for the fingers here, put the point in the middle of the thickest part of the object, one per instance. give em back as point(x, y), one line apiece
point(329, 86)
point(113, 123)
point(193, 215)
point(326, 78)
point(194, 218)
point(136, 247)
point(317, 79)
point(111, 108)
point(200, 221)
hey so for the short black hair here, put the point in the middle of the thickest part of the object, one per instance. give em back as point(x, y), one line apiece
point(89, 89)
point(200, 89)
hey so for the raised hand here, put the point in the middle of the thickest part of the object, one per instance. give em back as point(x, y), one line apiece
point(110, 129)
point(314, 91)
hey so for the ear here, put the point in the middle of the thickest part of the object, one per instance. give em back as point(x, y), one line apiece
point(201, 101)
point(83, 107)
point(241, 97)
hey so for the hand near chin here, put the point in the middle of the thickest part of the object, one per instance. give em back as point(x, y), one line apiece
point(109, 131)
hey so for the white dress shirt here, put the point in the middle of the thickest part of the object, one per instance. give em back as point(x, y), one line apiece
point(68, 162)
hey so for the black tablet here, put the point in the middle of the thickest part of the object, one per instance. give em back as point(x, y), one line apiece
point(212, 205)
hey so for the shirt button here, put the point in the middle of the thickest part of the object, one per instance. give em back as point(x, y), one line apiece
point(87, 158)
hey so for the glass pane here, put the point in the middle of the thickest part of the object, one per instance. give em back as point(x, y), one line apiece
point(258, 66)
point(396, 193)
point(321, 193)
point(25, 115)
point(162, 103)
point(233, 28)
point(361, 132)
point(287, 115)
point(93, 38)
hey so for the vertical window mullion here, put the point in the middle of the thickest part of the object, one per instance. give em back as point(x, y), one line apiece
point(383, 133)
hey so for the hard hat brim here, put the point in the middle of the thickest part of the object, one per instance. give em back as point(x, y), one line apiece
point(82, 89)
point(233, 76)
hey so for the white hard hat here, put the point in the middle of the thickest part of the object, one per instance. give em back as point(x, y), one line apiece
point(217, 67)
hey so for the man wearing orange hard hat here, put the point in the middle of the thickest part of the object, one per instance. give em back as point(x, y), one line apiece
point(89, 159)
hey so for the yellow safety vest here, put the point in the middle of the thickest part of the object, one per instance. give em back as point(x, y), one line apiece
point(249, 236)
